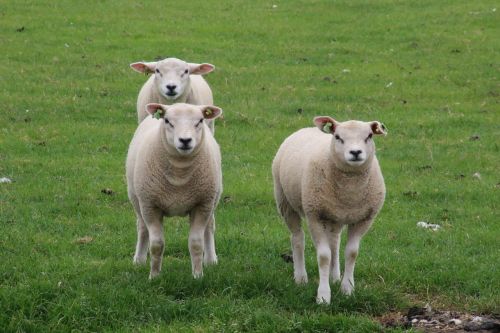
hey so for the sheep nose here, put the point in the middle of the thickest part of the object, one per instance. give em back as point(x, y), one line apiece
point(171, 87)
point(185, 141)
point(356, 153)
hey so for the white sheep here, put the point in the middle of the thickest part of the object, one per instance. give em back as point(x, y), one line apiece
point(174, 81)
point(332, 180)
point(174, 169)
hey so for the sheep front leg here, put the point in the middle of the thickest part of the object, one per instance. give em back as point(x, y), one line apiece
point(209, 256)
point(153, 221)
point(320, 237)
point(354, 234)
point(199, 221)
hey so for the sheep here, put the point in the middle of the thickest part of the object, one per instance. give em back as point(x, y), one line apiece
point(173, 168)
point(332, 178)
point(174, 81)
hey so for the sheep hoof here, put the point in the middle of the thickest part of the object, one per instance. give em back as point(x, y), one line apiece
point(153, 275)
point(301, 279)
point(198, 275)
point(139, 260)
point(324, 295)
point(346, 288)
point(210, 261)
point(323, 300)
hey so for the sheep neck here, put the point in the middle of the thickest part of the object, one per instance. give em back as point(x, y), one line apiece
point(351, 186)
point(176, 168)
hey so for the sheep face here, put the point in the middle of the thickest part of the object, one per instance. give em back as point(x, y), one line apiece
point(352, 142)
point(171, 75)
point(183, 123)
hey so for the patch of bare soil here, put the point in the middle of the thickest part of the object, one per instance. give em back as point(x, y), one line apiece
point(430, 320)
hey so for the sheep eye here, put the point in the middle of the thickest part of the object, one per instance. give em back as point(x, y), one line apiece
point(186, 71)
point(157, 71)
point(168, 122)
point(198, 124)
point(369, 137)
point(338, 138)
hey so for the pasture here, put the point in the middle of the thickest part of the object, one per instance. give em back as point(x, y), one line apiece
point(427, 69)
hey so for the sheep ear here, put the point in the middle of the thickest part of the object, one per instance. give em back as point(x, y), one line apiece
point(326, 124)
point(200, 69)
point(156, 110)
point(378, 128)
point(211, 112)
point(144, 67)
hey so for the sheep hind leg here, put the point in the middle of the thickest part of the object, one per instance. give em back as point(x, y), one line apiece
point(354, 234)
point(297, 240)
point(293, 222)
point(324, 256)
point(153, 220)
point(209, 256)
point(141, 248)
point(199, 220)
point(334, 240)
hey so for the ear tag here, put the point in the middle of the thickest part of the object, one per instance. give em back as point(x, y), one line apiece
point(157, 114)
point(327, 128)
point(208, 112)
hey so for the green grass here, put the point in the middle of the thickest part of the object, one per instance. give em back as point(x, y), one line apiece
point(429, 70)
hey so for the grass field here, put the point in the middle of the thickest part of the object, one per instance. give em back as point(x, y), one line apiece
point(427, 69)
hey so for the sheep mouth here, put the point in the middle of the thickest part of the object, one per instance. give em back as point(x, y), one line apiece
point(355, 161)
point(185, 149)
point(171, 94)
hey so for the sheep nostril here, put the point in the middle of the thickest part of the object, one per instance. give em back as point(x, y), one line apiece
point(185, 142)
point(356, 153)
point(171, 87)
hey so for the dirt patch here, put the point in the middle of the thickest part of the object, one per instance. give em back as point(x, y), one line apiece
point(430, 320)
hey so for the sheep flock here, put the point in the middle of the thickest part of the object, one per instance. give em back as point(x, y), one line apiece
point(327, 175)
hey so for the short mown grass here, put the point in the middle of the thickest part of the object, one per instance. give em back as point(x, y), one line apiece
point(429, 70)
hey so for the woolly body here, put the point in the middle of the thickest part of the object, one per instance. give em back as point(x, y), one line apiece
point(312, 180)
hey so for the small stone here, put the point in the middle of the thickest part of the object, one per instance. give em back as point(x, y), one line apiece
point(455, 321)
point(84, 240)
point(107, 191)
point(5, 180)
point(477, 319)
point(477, 175)
point(59, 284)
point(415, 311)
point(287, 257)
